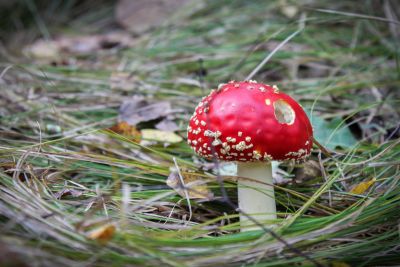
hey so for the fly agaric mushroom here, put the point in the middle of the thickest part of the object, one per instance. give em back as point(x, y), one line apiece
point(251, 123)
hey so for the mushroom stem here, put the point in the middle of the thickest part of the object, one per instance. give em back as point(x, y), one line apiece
point(256, 199)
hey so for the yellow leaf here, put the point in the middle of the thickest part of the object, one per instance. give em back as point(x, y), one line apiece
point(288, 10)
point(102, 234)
point(339, 264)
point(130, 132)
point(160, 136)
point(43, 49)
point(194, 187)
point(362, 187)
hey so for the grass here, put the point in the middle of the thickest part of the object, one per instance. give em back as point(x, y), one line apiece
point(63, 174)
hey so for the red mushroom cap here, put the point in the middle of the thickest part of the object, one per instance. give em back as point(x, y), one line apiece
point(250, 121)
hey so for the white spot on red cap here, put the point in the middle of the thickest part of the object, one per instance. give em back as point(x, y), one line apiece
point(256, 155)
point(241, 146)
point(216, 142)
point(267, 157)
point(298, 154)
point(231, 139)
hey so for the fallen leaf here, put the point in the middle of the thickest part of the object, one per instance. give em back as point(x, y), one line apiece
point(167, 125)
point(339, 264)
point(68, 192)
point(79, 44)
point(308, 173)
point(141, 15)
point(195, 187)
point(288, 10)
point(329, 134)
point(102, 234)
point(84, 44)
point(126, 130)
point(362, 187)
point(10, 255)
point(53, 128)
point(43, 50)
point(161, 136)
point(137, 109)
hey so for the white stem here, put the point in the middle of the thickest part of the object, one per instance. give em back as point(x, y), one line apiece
point(256, 199)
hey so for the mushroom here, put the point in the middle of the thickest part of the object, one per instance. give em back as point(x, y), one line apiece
point(251, 123)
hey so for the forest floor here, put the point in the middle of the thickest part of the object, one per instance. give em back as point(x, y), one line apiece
point(93, 119)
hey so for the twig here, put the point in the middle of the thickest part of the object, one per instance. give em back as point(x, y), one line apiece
point(322, 148)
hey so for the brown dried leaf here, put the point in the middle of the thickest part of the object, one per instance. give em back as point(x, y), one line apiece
point(362, 187)
point(339, 264)
point(102, 234)
point(195, 188)
point(126, 130)
point(309, 172)
point(81, 44)
point(68, 192)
